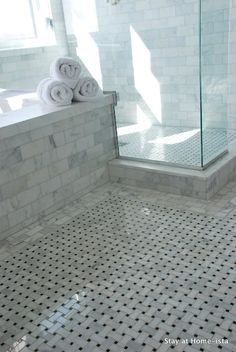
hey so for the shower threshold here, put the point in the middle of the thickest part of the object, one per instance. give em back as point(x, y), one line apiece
point(201, 184)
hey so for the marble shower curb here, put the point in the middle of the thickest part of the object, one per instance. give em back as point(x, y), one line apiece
point(195, 183)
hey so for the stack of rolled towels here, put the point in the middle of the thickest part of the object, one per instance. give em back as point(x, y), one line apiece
point(67, 83)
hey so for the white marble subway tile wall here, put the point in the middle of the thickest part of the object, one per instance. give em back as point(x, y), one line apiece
point(232, 68)
point(214, 63)
point(156, 42)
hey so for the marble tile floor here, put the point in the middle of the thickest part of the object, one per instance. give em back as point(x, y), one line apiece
point(175, 145)
point(123, 269)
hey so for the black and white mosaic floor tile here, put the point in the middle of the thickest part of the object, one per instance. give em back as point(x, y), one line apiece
point(177, 145)
point(125, 275)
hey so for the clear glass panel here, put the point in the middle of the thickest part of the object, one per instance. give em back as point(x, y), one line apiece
point(154, 53)
point(155, 69)
point(214, 75)
point(148, 51)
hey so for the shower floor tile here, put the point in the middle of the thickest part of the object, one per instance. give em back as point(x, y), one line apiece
point(122, 270)
point(175, 145)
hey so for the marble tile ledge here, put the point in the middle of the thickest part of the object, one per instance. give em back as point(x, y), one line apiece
point(39, 115)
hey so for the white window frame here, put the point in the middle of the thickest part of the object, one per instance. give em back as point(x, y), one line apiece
point(43, 35)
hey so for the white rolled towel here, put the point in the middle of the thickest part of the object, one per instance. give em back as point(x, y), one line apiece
point(66, 70)
point(87, 89)
point(54, 92)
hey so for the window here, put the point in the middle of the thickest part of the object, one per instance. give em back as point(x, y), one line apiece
point(25, 23)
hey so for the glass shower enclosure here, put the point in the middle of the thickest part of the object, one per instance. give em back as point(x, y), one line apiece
point(168, 62)
point(180, 86)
